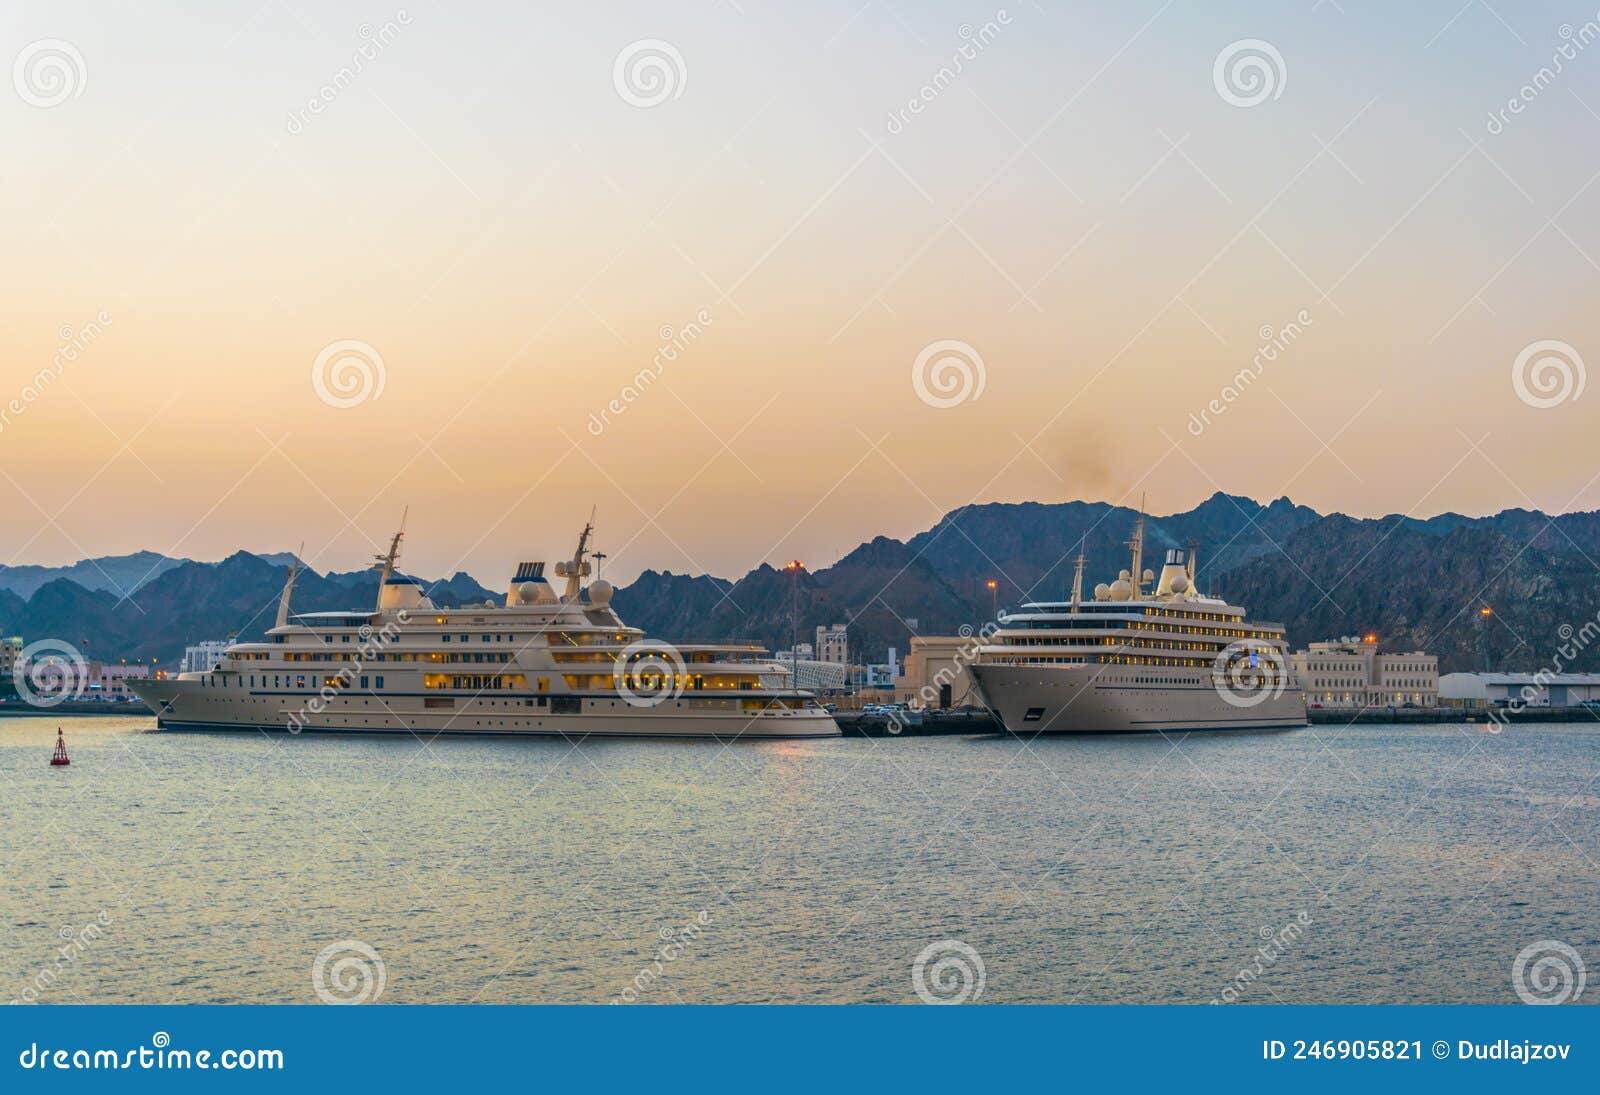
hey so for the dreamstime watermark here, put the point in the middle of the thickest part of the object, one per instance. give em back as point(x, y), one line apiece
point(48, 72)
point(1248, 672)
point(372, 643)
point(347, 373)
point(348, 972)
point(1573, 42)
point(1273, 344)
point(1249, 72)
point(674, 343)
point(77, 942)
point(649, 672)
point(948, 373)
point(1547, 373)
point(649, 72)
point(1275, 943)
point(72, 345)
point(47, 672)
point(674, 944)
point(973, 42)
point(372, 43)
point(948, 972)
point(1548, 972)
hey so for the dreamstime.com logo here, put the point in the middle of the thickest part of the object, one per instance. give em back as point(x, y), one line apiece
point(49, 72)
point(947, 373)
point(348, 972)
point(1547, 373)
point(1548, 972)
point(49, 671)
point(649, 72)
point(948, 972)
point(347, 373)
point(648, 672)
point(1249, 72)
point(1248, 672)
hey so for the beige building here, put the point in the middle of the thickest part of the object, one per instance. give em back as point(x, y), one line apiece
point(935, 674)
point(1349, 672)
point(9, 649)
point(833, 645)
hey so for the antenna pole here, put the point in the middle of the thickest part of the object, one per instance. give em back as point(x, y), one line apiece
point(1077, 581)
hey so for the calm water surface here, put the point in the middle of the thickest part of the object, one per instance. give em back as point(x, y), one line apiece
point(1414, 863)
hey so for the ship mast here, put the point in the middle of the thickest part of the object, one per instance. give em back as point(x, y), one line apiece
point(288, 587)
point(1137, 544)
point(1194, 548)
point(384, 564)
point(578, 569)
point(1077, 581)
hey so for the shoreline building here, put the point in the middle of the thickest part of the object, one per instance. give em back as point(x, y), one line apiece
point(1350, 672)
point(935, 672)
point(833, 644)
point(205, 655)
point(10, 648)
point(1525, 689)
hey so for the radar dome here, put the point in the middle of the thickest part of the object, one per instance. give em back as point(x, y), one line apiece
point(1149, 575)
point(1180, 584)
point(1121, 589)
point(1102, 591)
point(1124, 576)
point(600, 592)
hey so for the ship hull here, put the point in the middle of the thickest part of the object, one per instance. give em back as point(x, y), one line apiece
point(186, 705)
point(1077, 700)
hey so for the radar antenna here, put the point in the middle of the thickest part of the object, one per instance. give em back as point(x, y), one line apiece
point(578, 569)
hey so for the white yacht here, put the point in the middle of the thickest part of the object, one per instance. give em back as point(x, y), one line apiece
point(539, 663)
point(1138, 660)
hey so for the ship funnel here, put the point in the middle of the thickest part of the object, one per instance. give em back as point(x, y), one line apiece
point(402, 594)
point(528, 586)
point(1174, 580)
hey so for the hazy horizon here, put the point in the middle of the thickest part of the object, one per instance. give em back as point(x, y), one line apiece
point(520, 221)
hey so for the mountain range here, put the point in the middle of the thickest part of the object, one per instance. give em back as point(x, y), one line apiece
point(1417, 583)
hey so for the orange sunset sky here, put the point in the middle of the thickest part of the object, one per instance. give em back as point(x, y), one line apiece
point(498, 207)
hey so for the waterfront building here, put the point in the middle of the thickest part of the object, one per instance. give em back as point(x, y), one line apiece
point(10, 648)
point(204, 656)
point(833, 645)
point(87, 680)
point(1350, 672)
point(1526, 689)
point(935, 672)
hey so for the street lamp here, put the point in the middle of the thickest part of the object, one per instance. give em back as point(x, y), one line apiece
point(794, 568)
point(994, 598)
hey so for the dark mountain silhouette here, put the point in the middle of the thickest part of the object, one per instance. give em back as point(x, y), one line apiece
point(1417, 583)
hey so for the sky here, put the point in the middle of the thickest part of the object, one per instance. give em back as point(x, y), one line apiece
point(292, 268)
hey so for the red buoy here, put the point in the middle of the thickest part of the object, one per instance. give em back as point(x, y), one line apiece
point(60, 756)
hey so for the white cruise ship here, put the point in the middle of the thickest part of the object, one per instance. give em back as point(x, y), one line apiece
point(540, 663)
point(1138, 660)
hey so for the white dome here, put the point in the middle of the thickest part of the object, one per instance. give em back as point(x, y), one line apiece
point(1102, 591)
point(1124, 575)
point(600, 592)
point(1180, 584)
point(527, 592)
point(1121, 589)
